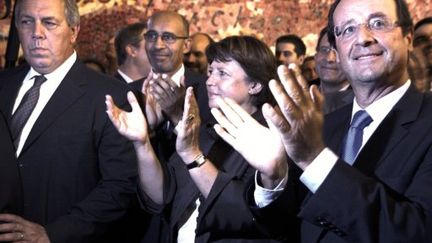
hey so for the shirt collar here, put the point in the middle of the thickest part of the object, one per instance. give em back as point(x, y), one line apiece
point(62, 70)
point(124, 76)
point(177, 76)
point(379, 109)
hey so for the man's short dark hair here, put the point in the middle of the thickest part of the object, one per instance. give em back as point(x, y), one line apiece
point(403, 14)
point(299, 46)
point(427, 20)
point(321, 35)
point(308, 59)
point(129, 35)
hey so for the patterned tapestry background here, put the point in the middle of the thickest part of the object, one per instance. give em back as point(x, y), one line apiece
point(266, 19)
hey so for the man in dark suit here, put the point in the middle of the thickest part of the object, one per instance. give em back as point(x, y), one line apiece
point(10, 183)
point(367, 179)
point(78, 174)
point(132, 60)
point(334, 84)
point(167, 40)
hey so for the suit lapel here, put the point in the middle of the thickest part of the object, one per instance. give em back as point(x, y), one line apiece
point(390, 132)
point(336, 126)
point(10, 92)
point(67, 93)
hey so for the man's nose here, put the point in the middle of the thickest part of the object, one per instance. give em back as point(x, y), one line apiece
point(38, 30)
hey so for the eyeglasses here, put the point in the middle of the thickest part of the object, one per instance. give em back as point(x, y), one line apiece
point(375, 25)
point(324, 50)
point(167, 37)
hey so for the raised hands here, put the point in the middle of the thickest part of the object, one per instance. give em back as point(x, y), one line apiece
point(299, 118)
point(153, 111)
point(187, 143)
point(130, 124)
point(259, 145)
point(168, 95)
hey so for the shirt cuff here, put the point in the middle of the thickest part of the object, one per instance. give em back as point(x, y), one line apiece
point(314, 175)
point(263, 196)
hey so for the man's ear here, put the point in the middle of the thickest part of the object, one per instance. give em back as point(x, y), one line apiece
point(130, 50)
point(255, 88)
point(187, 46)
point(75, 31)
point(409, 38)
point(301, 60)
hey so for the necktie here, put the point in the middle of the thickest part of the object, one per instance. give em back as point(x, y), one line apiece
point(354, 138)
point(25, 108)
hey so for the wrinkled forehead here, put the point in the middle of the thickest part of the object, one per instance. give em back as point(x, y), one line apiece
point(52, 8)
point(360, 11)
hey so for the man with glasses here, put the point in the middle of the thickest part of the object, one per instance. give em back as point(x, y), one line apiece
point(334, 85)
point(366, 168)
point(167, 40)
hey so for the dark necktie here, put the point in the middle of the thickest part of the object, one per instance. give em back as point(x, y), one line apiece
point(354, 138)
point(25, 108)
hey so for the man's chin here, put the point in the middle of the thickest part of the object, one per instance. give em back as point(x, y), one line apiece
point(42, 66)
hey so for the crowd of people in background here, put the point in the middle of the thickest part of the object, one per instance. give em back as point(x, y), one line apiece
point(186, 139)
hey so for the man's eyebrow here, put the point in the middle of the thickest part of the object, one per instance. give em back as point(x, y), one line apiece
point(372, 15)
point(49, 18)
point(377, 14)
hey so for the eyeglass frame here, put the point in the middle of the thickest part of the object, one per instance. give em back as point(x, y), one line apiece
point(164, 37)
point(325, 50)
point(392, 25)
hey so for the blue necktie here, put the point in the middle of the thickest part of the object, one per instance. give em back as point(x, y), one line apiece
point(354, 138)
point(25, 108)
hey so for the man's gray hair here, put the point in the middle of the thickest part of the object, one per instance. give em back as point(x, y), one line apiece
point(71, 12)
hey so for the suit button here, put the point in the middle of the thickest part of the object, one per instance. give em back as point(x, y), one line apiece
point(338, 232)
point(21, 165)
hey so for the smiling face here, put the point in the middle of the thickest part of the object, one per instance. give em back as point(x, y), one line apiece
point(228, 79)
point(46, 38)
point(327, 67)
point(166, 57)
point(196, 58)
point(371, 57)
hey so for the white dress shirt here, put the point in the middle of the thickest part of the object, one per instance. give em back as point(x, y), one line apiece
point(124, 76)
point(46, 91)
point(314, 175)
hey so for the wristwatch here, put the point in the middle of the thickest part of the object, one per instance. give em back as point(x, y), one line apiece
point(198, 162)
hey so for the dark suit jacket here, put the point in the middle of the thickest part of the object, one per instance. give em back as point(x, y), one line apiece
point(384, 197)
point(336, 100)
point(119, 77)
point(180, 192)
point(78, 173)
point(10, 183)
